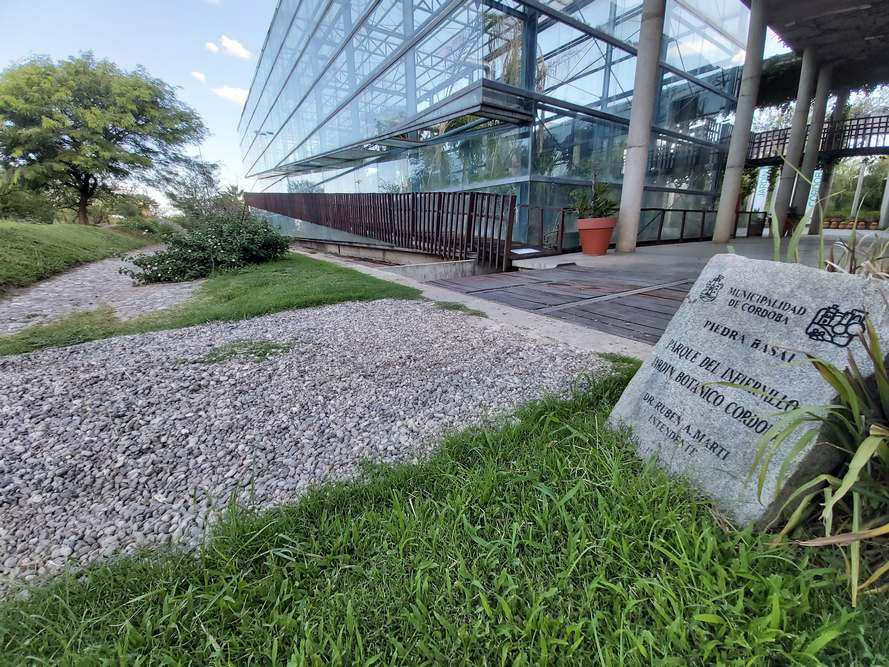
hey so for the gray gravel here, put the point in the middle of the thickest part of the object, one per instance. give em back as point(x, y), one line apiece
point(134, 441)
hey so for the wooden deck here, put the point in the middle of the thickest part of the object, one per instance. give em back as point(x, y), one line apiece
point(635, 305)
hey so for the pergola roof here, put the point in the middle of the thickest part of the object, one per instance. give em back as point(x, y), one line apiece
point(842, 31)
point(852, 34)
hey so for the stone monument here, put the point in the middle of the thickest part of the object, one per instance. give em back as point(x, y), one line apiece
point(750, 323)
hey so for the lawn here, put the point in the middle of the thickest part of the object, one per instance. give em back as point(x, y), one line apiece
point(32, 252)
point(293, 282)
point(540, 540)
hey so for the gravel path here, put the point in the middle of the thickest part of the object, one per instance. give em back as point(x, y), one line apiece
point(136, 440)
point(86, 288)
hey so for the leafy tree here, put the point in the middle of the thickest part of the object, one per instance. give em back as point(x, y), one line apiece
point(195, 191)
point(23, 203)
point(83, 125)
point(302, 185)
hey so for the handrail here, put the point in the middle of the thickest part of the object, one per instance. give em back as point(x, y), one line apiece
point(862, 133)
point(451, 225)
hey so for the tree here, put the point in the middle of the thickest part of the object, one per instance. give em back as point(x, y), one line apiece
point(83, 125)
point(196, 192)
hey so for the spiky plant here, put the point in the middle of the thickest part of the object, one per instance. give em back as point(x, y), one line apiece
point(855, 501)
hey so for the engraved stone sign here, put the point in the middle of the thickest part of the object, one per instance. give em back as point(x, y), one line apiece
point(747, 322)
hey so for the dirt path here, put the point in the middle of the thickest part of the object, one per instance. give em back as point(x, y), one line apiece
point(85, 288)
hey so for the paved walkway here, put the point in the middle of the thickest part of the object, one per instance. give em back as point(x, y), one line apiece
point(629, 295)
point(86, 288)
point(637, 305)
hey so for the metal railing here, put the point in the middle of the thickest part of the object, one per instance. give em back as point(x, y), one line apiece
point(680, 225)
point(545, 227)
point(451, 225)
point(867, 135)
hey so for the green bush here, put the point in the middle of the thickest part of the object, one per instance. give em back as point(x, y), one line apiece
point(25, 205)
point(225, 242)
point(149, 227)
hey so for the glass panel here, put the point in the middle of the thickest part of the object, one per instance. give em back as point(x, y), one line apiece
point(284, 14)
point(449, 59)
point(501, 45)
point(707, 38)
point(294, 41)
point(681, 215)
point(445, 62)
point(577, 68)
point(683, 165)
point(578, 148)
point(694, 111)
point(620, 18)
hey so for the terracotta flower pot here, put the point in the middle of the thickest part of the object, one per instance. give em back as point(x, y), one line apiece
point(595, 234)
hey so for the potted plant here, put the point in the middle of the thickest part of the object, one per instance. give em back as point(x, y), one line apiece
point(595, 218)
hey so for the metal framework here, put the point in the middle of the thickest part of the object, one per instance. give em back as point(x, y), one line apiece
point(344, 84)
point(867, 135)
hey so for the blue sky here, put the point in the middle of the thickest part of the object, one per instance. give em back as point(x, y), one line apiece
point(168, 37)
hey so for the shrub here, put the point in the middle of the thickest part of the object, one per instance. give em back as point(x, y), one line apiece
point(149, 227)
point(225, 242)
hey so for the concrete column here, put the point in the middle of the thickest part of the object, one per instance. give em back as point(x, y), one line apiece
point(839, 112)
point(737, 152)
point(856, 200)
point(884, 208)
point(796, 139)
point(813, 141)
point(645, 90)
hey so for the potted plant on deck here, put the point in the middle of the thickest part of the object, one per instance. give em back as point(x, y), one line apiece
point(595, 218)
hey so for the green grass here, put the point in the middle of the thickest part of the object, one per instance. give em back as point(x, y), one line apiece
point(32, 252)
point(255, 350)
point(543, 540)
point(293, 282)
point(460, 308)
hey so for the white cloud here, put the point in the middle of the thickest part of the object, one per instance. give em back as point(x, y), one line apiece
point(233, 47)
point(236, 95)
point(200, 76)
point(211, 47)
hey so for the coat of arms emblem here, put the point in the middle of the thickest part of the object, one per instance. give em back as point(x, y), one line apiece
point(835, 326)
point(713, 288)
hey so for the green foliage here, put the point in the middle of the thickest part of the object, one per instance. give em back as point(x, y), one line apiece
point(149, 227)
point(845, 178)
point(195, 191)
point(256, 350)
point(460, 308)
point(544, 540)
point(594, 203)
point(81, 125)
point(223, 243)
point(293, 282)
point(25, 204)
point(861, 255)
point(29, 252)
point(133, 205)
point(856, 501)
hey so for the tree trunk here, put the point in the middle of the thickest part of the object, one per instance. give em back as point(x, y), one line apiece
point(82, 215)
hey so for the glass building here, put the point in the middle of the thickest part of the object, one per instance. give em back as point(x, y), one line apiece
point(526, 97)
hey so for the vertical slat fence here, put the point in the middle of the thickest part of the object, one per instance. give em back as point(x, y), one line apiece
point(451, 225)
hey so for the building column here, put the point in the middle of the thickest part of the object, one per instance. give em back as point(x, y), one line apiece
point(824, 190)
point(727, 212)
point(813, 142)
point(856, 200)
point(645, 90)
point(884, 208)
point(796, 140)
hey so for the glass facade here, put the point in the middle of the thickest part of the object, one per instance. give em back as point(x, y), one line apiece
point(496, 95)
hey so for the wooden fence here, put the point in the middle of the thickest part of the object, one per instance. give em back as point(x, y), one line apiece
point(452, 225)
